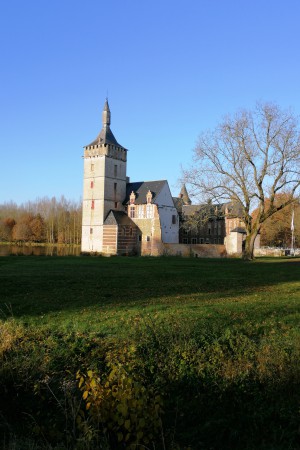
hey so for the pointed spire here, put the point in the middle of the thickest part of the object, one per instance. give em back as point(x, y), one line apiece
point(106, 114)
point(185, 196)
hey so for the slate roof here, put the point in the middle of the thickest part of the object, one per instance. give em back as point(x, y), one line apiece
point(141, 189)
point(239, 230)
point(235, 209)
point(184, 195)
point(105, 137)
point(118, 218)
point(189, 210)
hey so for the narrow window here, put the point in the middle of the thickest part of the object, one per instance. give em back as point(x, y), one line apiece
point(92, 167)
point(219, 228)
point(201, 241)
point(149, 211)
point(194, 240)
point(91, 230)
point(115, 170)
point(140, 211)
point(140, 237)
point(174, 221)
point(116, 204)
point(148, 238)
point(132, 212)
point(93, 204)
point(92, 184)
point(130, 232)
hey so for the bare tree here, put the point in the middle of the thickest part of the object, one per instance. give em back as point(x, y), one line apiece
point(248, 158)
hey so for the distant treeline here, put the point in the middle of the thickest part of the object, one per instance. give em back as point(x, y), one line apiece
point(52, 221)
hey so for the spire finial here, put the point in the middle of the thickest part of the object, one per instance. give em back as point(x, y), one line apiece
point(106, 114)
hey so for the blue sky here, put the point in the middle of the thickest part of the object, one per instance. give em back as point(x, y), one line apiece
point(171, 70)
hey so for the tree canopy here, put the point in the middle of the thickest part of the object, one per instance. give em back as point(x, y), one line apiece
point(248, 158)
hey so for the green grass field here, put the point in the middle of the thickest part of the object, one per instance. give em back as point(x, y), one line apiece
point(216, 342)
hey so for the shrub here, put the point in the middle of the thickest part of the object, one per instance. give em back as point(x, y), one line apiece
point(119, 404)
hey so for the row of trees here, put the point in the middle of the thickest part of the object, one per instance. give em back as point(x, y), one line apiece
point(44, 220)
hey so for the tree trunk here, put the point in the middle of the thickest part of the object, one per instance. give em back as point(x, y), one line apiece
point(248, 252)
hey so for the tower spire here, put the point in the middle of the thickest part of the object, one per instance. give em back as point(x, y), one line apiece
point(185, 196)
point(106, 114)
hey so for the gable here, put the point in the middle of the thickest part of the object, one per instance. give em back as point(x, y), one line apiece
point(164, 197)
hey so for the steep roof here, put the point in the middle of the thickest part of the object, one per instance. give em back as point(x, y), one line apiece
point(105, 137)
point(118, 218)
point(184, 195)
point(141, 189)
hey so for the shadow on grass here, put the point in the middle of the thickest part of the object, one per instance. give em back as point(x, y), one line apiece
point(32, 286)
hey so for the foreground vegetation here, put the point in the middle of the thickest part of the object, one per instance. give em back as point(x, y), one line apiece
point(149, 353)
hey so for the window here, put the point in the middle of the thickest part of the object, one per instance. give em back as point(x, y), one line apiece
point(115, 170)
point(93, 204)
point(140, 237)
point(207, 241)
point(219, 228)
point(91, 230)
point(201, 241)
point(140, 211)
point(194, 240)
point(215, 241)
point(130, 232)
point(185, 240)
point(92, 167)
point(149, 211)
point(92, 184)
point(148, 238)
point(132, 212)
point(116, 204)
point(174, 219)
point(115, 190)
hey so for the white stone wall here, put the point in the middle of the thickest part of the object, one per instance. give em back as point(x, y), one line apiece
point(166, 209)
point(169, 231)
point(104, 188)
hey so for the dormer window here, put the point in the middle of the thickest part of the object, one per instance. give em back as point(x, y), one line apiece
point(149, 197)
point(132, 198)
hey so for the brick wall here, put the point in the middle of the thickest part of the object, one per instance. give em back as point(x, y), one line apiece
point(198, 250)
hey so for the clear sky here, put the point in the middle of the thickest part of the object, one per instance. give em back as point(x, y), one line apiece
point(171, 70)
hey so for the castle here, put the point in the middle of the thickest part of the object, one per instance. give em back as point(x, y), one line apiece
point(122, 218)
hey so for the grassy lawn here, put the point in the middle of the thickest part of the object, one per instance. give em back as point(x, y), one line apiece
point(217, 341)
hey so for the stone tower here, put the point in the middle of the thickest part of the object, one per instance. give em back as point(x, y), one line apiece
point(104, 183)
